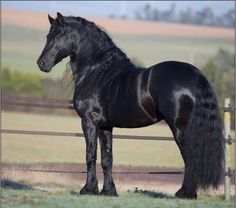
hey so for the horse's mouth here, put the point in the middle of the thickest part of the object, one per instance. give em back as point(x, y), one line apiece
point(46, 70)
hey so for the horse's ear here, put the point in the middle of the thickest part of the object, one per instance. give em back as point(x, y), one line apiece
point(60, 18)
point(51, 20)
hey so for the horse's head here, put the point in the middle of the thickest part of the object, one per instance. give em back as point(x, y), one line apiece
point(59, 44)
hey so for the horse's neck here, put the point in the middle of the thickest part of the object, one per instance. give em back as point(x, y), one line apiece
point(83, 67)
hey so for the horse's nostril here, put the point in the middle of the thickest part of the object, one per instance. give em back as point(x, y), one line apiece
point(41, 63)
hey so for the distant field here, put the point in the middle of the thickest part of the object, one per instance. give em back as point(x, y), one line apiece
point(22, 46)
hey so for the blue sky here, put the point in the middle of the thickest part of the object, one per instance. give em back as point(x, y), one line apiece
point(106, 8)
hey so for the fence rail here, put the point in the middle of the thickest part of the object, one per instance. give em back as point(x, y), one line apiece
point(38, 102)
point(55, 103)
point(68, 104)
point(70, 134)
point(84, 172)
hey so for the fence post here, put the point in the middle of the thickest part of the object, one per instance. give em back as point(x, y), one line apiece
point(227, 150)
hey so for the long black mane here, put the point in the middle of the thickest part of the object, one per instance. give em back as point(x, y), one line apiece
point(97, 44)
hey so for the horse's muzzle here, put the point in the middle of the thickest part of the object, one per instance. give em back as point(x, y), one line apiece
point(43, 66)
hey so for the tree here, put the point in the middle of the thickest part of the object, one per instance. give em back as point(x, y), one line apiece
point(207, 16)
point(171, 15)
point(224, 60)
point(187, 16)
point(148, 12)
point(229, 18)
point(156, 15)
point(213, 75)
point(219, 70)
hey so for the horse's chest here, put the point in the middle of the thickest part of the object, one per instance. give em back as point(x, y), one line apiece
point(89, 108)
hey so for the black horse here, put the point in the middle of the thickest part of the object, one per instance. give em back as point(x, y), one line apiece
point(110, 91)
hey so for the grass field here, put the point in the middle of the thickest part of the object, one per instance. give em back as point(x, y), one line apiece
point(21, 47)
point(132, 199)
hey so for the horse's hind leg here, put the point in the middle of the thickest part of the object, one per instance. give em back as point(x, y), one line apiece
point(177, 125)
point(90, 133)
point(105, 138)
point(189, 186)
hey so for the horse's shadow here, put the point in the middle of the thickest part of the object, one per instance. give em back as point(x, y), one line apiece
point(153, 194)
point(147, 193)
point(8, 184)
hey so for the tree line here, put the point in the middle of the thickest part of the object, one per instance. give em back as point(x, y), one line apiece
point(206, 16)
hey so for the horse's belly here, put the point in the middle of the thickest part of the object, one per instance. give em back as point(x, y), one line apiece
point(133, 117)
point(135, 124)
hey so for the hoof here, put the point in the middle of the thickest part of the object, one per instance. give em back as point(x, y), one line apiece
point(88, 190)
point(110, 190)
point(183, 194)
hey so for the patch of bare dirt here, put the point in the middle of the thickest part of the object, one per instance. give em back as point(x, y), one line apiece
point(57, 177)
point(120, 172)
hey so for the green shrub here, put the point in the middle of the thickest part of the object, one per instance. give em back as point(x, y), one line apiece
point(220, 72)
point(17, 82)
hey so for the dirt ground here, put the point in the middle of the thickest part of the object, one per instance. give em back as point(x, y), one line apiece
point(38, 20)
point(72, 177)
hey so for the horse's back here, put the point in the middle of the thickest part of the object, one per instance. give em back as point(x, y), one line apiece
point(171, 76)
point(174, 73)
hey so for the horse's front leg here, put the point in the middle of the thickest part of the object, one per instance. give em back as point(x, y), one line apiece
point(105, 138)
point(90, 134)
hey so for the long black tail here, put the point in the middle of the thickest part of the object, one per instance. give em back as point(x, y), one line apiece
point(204, 133)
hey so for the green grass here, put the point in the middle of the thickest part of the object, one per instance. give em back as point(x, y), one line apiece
point(22, 46)
point(148, 199)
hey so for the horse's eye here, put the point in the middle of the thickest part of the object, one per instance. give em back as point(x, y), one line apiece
point(57, 37)
point(60, 35)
